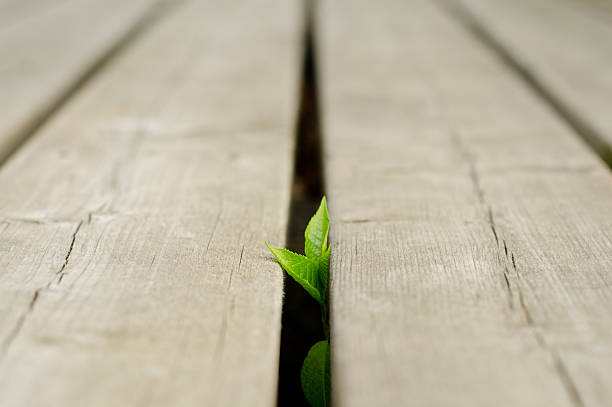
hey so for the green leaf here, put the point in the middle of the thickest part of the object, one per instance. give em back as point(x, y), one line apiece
point(302, 269)
point(316, 381)
point(316, 233)
point(324, 270)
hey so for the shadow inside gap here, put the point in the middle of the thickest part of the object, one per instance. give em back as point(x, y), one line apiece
point(301, 317)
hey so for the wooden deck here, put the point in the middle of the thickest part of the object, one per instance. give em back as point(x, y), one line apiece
point(147, 152)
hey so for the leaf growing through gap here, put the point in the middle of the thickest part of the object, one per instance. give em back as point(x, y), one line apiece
point(302, 269)
point(315, 375)
point(324, 270)
point(312, 273)
point(316, 233)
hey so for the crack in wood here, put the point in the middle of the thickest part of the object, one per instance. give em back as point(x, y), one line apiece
point(61, 271)
point(561, 369)
point(229, 280)
point(10, 338)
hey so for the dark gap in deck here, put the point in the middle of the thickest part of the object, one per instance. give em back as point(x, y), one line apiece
point(574, 120)
point(107, 56)
point(301, 317)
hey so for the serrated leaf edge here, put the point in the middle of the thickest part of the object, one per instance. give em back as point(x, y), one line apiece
point(323, 208)
point(313, 291)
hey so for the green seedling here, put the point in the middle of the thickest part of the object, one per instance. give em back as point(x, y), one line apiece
point(311, 272)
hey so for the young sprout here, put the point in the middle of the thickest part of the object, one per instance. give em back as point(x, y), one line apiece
point(311, 272)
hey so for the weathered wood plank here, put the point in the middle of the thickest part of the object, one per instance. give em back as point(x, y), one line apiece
point(565, 47)
point(133, 269)
point(46, 48)
point(472, 233)
point(15, 11)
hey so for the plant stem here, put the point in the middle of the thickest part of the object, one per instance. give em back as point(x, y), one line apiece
point(325, 320)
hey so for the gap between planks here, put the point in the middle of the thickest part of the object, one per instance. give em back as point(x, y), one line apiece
point(10, 143)
point(581, 125)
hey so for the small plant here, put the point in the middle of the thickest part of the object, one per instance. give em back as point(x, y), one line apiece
point(311, 272)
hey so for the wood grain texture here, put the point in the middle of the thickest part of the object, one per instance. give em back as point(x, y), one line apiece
point(46, 48)
point(471, 236)
point(15, 11)
point(565, 47)
point(133, 270)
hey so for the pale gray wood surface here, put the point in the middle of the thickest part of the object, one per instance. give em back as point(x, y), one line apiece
point(133, 270)
point(46, 47)
point(15, 11)
point(471, 229)
point(566, 47)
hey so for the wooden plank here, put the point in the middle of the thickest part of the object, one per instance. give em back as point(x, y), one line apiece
point(565, 47)
point(471, 237)
point(46, 49)
point(133, 270)
point(15, 11)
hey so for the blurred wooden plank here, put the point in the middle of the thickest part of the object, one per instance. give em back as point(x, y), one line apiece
point(565, 48)
point(47, 48)
point(471, 237)
point(133, 270)
point(15, 11)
